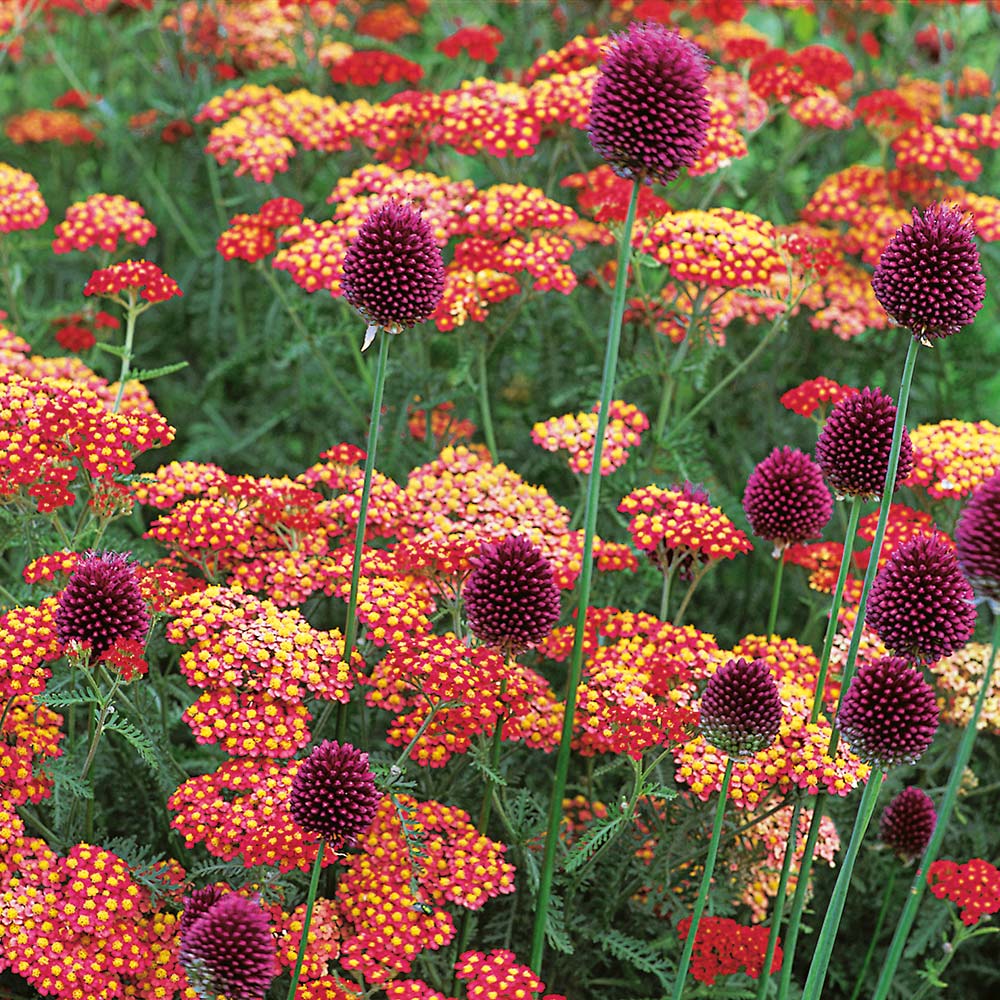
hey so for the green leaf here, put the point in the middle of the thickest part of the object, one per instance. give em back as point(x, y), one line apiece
point(480, 758)
point(555, 926)
point(643, 955)
point(118, 352)
point(139, 741)
point(65, 699)
point(601, 833)
point(148, 374)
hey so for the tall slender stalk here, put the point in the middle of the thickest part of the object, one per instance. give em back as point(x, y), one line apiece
point(131, 313)
point(583, 586)
point(482, 388)
point(307, 920)
point(876, 932)
point(909, 913)
point(775, 595)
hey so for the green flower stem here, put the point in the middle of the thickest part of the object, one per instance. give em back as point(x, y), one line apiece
point(8, 281)
point(586, 574)
point(310, 900)
point(131, 314)
point(482, 388)
point(876, 933)
point(706, 881)
point(835, 908)
point(351, 626)
point(669, 573)
point(798, 903)
point(778, 906)
point(775, 594)
point(909, 913)
point(699, 574)
point(484, 812)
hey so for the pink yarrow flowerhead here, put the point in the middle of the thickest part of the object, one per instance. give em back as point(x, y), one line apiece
point(908, 823)
point(227, 948)
point(929, 277)
point(920, 605)
point(511, 599)
point(740, 710)
point(333, 793)
point(889, 714)
point(393, 270)
point(650, 109)
point(786, 500)
point(853, 447)
point(977, 542)
point(101, 603)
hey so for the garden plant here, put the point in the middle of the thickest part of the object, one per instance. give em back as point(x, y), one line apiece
point(499, 500)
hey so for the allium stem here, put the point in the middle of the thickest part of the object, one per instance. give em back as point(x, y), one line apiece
point(706, 882)
point(351, 626)
point(876, 933)
point(310, 900)
point(916, 893)
point(583, 586)
point(775, 594)
point(835, 908)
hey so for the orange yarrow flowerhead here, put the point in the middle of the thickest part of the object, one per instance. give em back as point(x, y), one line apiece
point(101, 221)
point(135, 278)
point(21, 203)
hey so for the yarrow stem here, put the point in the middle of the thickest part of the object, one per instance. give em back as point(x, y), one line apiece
point(132, 311)
point(706, 882)
point(484, 398)
point(916, 893)
point(310, 900)
point(775, 594)
point(583, 586)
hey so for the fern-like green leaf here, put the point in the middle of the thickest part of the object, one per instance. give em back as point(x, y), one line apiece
point(139, 741)
point(601, 833)
point(480, 759)
point(555, 926)
point(148, 374)
point(641, 955)
point(65, 699)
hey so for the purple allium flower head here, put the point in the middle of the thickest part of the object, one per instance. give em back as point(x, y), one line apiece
point(334, 794)
point(977, 542)
point(786, 500)
point(197, 905)
point(889, 714)
point(907, 823)
point(920, 605)
point(853, 447)
point(101, 603)
point(740, 710)
point(393, 270)
point(511, 599)
point(929, 277)
point(649, 111)
point(228, 949)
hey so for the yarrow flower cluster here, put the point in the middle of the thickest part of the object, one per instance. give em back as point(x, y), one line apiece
point(101, 221)
point(133, 277)
point(907, 823)
point(649, 112)
point(21, 203)
point(723, 947)
point(811, 398)
point(929, 277)
point(577, 434)
point(973, 887)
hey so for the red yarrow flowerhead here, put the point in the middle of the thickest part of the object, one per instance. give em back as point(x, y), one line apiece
point(227, 948)
point(908, 823)
point(889, 714)
point(101, 603)
point(740, 710)
point(511, 599)
point(921, 606)
point(333, 793)
point(649, 111)
point(853, 447)
point(393, 270)
point(977, 542)
point(786, 500)
point(929, 277)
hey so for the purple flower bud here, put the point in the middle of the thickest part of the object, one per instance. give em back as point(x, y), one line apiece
point(786, 500)
point(649, 111)
point(853, 447)
point(228, 949)
point(334, 794)
point(511, 599)
point(977, 542)
point(889, 714)
point(929, 277)
point(907, 823)
point(740, 711)
point(101, 603)
point(920, 605)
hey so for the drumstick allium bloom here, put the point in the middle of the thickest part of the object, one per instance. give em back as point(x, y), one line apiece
point(977, 542)
point(740, 711)
point(393, 270)
point(907, 823)
point(929, 277)
point(650, 108)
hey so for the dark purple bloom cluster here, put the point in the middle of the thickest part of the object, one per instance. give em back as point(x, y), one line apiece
point(907, 823)
point(889, 714)
point(101, 603)
point(853, 447)
point(511, 599)
point(740, 710)
point(929, 277)
point(920, 605)
point(649, 111)
point(334, 794)
point(226, 946)
point(393, 269)
point(786, 500)
point(977, 542)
